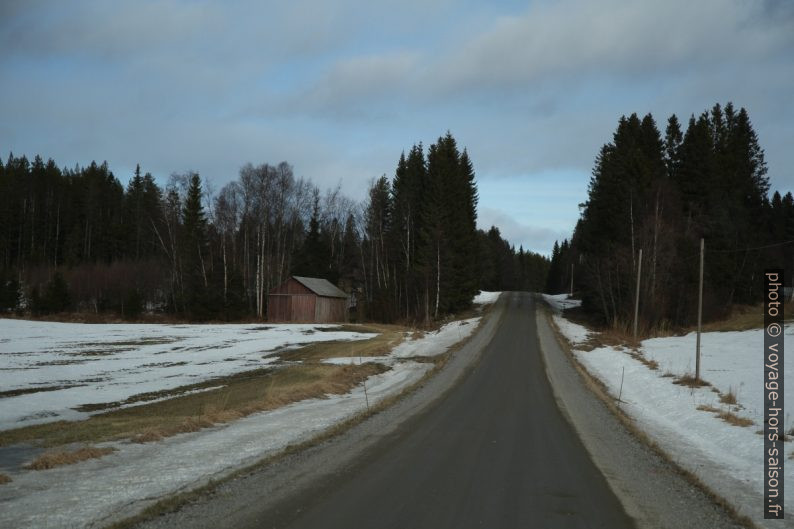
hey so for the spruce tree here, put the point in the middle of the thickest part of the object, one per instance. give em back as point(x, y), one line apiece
point(194, 259)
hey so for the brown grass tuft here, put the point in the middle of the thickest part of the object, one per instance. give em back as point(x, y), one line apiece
point(727, 416)
point(62, 457)
point(728, 398)
point(735, 420)
point(4, 479)
point(690, 381)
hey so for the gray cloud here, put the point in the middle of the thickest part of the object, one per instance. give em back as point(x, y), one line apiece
point(535, 238)
point(339, 89)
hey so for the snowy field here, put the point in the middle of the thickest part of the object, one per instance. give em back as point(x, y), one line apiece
point(728, 458)
point(137, 475)
point(58, 367)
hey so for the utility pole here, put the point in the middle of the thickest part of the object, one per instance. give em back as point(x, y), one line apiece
point(571, 280)
point(700, 312)
point(637, 297)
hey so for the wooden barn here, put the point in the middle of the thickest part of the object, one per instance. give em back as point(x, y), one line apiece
point(307, 300)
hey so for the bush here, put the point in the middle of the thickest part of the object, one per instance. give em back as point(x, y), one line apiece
point(55, 298)
point(133, 304)
point(9, 293)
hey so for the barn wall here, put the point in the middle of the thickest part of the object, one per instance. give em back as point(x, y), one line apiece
point(293, 302)
point(303, 308)
point(278, 307)
point(331, 310)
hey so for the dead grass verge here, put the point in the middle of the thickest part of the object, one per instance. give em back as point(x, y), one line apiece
point(62, 457)
point(240, 395)
point(389, 337)
point(4, 479)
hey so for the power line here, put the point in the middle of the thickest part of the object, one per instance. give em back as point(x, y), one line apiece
point(738, 250)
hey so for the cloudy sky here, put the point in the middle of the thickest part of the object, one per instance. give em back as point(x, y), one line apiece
point(340, 88)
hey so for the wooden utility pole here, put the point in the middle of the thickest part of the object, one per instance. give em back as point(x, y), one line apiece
point(700, 313)
point(637, 296)
point(571, 280)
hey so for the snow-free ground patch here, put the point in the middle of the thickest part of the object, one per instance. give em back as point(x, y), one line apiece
point(726, 457)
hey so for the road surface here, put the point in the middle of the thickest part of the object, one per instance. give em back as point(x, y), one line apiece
point(486, 442)
point(496, 452)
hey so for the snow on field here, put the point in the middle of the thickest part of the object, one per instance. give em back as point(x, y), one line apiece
point(95, 492)
point(729, 459)
point(58, 367)
point(484, 298)
point(137, 475)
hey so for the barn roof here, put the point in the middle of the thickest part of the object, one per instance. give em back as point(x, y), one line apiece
point(321, 287)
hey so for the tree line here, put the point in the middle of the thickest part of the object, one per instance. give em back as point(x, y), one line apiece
point(76, 239)
point(661, 194)
point(425, 256)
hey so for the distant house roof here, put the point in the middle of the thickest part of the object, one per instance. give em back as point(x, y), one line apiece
point(321, 287)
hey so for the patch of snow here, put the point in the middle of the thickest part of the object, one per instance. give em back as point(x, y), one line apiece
point(560, 302)
point(575, 333)
point(105, 363)
point(727, 458)
point(436, 342)
point(136, 475)
point(358, 360)
point(485, 298)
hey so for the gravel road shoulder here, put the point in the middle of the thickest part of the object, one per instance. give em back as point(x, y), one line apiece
point(652, 490)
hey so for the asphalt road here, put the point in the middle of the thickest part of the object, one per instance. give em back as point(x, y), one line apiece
point(496, 452)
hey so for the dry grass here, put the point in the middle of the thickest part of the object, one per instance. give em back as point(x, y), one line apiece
point(389, 336)
point(743, 318)
point(735, 420)
point(60, 458)
point(4, 479)
point(611, 336)
point(690, 381)
point(620, 332)
point(727, 416)
point(729, 398)
point(241, 395)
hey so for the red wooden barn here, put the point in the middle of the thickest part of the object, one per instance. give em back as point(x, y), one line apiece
point(307, 300)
